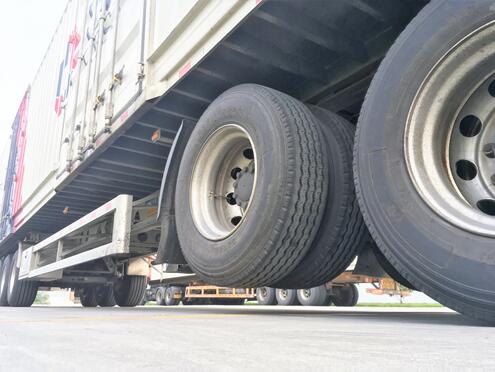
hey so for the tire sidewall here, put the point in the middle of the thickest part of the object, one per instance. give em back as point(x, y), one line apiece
point(413, 237)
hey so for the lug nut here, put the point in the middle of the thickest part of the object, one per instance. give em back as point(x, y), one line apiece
point(489, 150)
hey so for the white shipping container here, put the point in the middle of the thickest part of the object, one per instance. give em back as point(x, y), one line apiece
point(105, 60)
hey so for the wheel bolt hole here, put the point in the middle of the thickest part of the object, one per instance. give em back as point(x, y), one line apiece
point(233, 172)
point(230, 198)
point(470, 126)
point(487, 206)
point(248, 154)
point(235, 220)
point(491, 88)
point(466, 170)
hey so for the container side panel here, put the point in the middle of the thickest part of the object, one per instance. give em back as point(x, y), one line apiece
point(11, 187)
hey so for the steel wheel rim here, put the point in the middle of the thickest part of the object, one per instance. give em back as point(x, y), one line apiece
point(263, 292)
point(284, 293)
point(306, 293)
point(444, 142)
point(223, 182)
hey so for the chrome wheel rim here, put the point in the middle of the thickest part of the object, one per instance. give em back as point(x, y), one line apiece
point(223, 182)
point(450, 132)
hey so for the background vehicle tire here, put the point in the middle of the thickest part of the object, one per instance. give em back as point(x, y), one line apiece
point(282, 192)
point(316, 296)
point(266, 296)
point(347, 295)
point(4, 279)
point(20, 293)
point(105, 297)
point(160, 296)
point(88, 297)
point(129, 291)
point(170, 299)
point(286, 297)
point(342, 232)
point(423, 206)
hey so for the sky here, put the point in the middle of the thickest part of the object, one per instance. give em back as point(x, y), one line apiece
point(26, 28)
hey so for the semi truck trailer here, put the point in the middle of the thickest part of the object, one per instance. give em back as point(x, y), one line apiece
point(257, 143)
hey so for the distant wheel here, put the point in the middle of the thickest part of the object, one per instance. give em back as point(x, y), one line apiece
point(4, 280)
point(286, 297)
point(170, 299)
point(160, 296)
point(316, 296)
point(129, 291)
point(88, 297)
point(347, 295)
point(105, 297)
point(266, 296)
point(20, 293)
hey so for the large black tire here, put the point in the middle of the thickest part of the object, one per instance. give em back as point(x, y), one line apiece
point(285, 210)
point(20, 293)
point(4, 278)
point(129, 291)
point(105, 297)
point(286, 297)
point(160, 296)
point(266, 296)
point(342, 232)
point(170, 299)
point(347, 295)
point(88, 297)
point(316, 296)
point(452, 264)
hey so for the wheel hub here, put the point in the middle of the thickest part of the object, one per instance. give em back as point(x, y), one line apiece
point(243, 186)
point(223, 182)
point(449, 139)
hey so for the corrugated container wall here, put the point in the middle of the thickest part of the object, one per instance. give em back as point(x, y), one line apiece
point(89, 73)
point(106, 58)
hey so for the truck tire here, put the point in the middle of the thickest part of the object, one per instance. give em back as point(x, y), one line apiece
point(88, 297)
point(160, 296)
point(169, 296)
point(4, 280)
point(286, 297)
point(266, 296)
point(426, 192)
point(254, 181)
point(129, 291)
point(105, 297)
point(20, 293)
point(347, 295)
point(316, 296)
point(342, 232)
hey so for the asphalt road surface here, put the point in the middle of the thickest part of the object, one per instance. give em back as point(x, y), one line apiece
point(242, 338)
